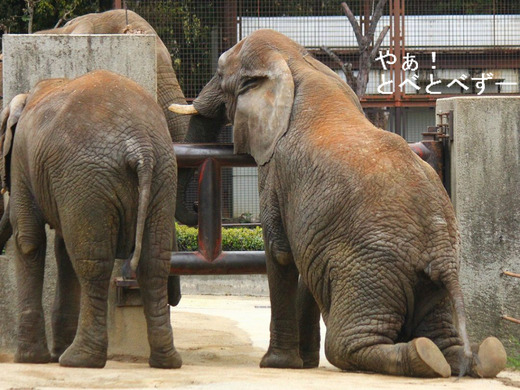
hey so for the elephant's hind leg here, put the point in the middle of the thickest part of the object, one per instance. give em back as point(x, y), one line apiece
point(152, 275)
point(89, 348)
point(362, 333)
point(489, 358)
point(91, 248)
point(65, 310)
point(30, 246)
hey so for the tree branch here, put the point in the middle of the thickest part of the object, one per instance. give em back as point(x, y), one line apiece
point(346, 68)
point(374, 20)
point(377, 44)
point(355, 25)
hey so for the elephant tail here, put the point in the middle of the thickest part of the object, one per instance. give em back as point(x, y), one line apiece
point(144, 167)
point(457, 299)
point(448, 276)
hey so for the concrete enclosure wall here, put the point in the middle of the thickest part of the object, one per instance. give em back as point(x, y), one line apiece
point(485, 190)
point(28, 59)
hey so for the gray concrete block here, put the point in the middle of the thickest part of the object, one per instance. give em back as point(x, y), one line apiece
point(248, 285)
point(30, 58)
point(485, 161)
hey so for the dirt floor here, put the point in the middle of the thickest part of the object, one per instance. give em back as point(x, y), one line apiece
point(221, 340)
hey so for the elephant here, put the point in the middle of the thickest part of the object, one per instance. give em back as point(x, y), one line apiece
point(92, 158)
point(168, 89)
point(357, 228)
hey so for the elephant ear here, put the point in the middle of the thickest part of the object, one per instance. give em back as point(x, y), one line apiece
point(263, 112)
point(8, 120)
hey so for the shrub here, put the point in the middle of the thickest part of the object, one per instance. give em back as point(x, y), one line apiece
point(513, 360)
point(233, 239)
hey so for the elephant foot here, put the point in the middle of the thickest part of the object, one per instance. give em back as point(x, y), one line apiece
point(426, 359)
point(281, 358)
point(75, 357)
point(311, 359)
point(171, 360)
point(32, 355)
point(56, 353)
point(490, 360)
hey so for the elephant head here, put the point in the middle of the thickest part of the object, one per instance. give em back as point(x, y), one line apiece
point(350, 211)
point(255, 89)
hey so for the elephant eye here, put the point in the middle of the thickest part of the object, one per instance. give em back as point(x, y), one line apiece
point(249, 83)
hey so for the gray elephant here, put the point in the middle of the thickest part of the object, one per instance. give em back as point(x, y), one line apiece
point(92, 158)
point(353, 213)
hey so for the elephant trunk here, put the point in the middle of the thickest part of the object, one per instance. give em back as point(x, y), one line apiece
point(201, 130)
point(168, 92)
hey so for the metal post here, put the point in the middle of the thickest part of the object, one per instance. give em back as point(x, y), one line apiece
point(210, 216)
point(397, 46)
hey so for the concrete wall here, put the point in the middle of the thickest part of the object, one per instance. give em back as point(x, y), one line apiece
point(485, 160)
point(28, 59)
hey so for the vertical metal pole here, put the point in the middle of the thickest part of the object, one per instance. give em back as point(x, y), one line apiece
point(229, 29)
point(210, 215)
point(398, 49)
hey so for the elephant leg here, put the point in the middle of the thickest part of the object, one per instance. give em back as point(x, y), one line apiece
point(152, 275)
point(283, 349)
point(30, 246)
point(65, 310)
point(309, 327)
point(437, 323)
point(362, 333)
point(89, 348)
point(155, 281)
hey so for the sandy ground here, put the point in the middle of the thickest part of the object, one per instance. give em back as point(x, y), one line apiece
point(221, 340)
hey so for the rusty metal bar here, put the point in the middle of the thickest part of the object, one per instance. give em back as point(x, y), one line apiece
point(193, 155)
point(210, 260)
point(228, 263)
point(508, 273)
point(210, 216)
point(430, 151)
point(511, 319)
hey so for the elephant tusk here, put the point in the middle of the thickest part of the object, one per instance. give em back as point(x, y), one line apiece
point(183, 109)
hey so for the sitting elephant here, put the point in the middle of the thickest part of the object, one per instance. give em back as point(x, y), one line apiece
point(91, 157)
point(352, 212)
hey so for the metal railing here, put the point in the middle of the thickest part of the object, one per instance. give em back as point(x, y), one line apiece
point(210, 158)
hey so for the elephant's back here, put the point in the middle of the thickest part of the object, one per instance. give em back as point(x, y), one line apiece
point(79, 136)
point(365, 192)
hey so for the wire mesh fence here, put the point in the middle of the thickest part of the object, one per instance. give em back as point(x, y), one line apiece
point(442, 48)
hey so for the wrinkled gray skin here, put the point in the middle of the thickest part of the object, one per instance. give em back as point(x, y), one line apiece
point(92, 158)
point(349, 211)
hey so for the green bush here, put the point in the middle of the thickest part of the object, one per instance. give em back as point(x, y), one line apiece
point(513, 360)
point(233, 239)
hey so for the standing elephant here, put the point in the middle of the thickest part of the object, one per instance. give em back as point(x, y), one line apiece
point(92, 158)
point(353, 213)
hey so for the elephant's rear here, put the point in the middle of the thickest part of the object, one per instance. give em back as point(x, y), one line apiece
point(105, 130)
